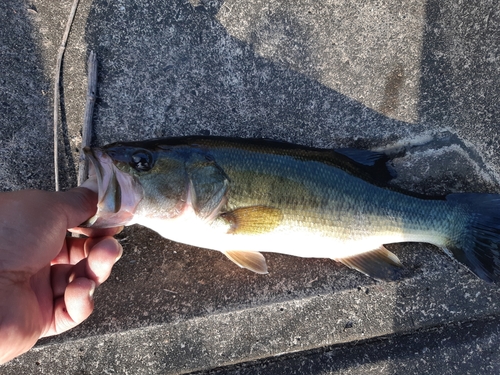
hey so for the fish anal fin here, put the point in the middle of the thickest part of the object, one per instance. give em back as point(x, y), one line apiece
point(252, 260)
point(379, 264)
point(253, 219)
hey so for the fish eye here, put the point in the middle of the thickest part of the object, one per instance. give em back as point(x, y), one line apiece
point(142, 161)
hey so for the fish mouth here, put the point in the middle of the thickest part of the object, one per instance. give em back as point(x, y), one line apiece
point(119, 193)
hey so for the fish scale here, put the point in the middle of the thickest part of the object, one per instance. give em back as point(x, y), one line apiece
point(243, 197)
point(327, 209)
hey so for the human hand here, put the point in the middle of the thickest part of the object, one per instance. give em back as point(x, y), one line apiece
point(47, 279)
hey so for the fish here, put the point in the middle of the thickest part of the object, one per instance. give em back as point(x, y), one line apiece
point(243, 197)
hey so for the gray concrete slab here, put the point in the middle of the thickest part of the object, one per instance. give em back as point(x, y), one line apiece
point(420, 76)
point(452, 349)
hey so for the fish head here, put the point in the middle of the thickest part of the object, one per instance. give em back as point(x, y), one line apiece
point(134, 180)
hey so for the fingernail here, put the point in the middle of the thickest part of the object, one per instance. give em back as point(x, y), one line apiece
point(111, 243)
point(92, 289)
point(121, 253)
point(91, 184)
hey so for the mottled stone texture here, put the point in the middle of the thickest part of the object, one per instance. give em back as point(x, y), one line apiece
point(419, 79)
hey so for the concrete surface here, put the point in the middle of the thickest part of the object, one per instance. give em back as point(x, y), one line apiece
point(419, 76)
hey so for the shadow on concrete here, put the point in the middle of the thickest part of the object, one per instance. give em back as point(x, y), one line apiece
point(24, 104)
point(440, 351)
point(458, 93)
point(460, 68)
point(174, 69)
point(26, 112)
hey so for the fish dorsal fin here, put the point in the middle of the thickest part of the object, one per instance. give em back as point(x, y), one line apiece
point(368, 165)
point(251, 260)
point(371, 166)
point(253, 219)
point(365, 157)
point(379, 264)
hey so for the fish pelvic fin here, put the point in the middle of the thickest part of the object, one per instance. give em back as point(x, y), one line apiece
point(251, 260)
point(380, 264)
point(478, 244)
point(253, 219)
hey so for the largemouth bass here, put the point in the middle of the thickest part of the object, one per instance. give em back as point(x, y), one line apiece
point(244, 197)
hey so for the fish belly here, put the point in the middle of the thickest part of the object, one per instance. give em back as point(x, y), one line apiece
point(303, 236)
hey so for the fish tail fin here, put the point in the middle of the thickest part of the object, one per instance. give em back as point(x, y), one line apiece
point(477, 245)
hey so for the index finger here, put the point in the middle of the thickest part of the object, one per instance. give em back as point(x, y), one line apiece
point(96, 232)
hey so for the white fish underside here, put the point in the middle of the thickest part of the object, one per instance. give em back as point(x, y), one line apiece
point(189, 229)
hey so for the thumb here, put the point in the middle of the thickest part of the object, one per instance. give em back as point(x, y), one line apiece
point(77, 205)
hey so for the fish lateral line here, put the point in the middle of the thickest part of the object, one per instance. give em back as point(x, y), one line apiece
point(306, 200)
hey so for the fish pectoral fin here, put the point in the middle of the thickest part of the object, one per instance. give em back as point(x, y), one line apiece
point(253, 219)
point(379, 264)
point(208, 185)
point(252, 260)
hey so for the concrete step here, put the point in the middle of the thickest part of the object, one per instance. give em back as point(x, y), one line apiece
point(451, 349)
point(172, 309)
